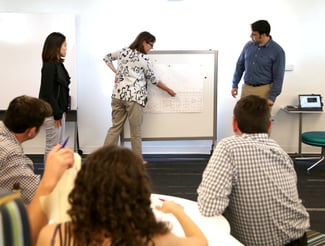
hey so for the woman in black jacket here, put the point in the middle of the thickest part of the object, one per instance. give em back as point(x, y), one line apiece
point(54, 88)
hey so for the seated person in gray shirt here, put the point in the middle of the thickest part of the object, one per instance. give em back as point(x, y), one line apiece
point(251, 180)
point(23, 119)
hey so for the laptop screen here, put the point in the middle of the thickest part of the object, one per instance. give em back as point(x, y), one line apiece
point(311, 101)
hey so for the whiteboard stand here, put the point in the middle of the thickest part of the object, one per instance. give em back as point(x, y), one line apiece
point(72, 116)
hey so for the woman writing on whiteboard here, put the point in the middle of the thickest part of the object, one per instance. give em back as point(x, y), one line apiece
point(134, 70)
point(55, 81)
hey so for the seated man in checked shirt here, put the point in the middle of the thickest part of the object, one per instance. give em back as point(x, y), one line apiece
point(251, 180)
point(23, 119)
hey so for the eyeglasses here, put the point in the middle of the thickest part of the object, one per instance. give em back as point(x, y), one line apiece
point(150, 43)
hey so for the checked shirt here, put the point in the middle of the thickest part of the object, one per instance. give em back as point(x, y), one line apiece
point(252, 182)
point(15, 166)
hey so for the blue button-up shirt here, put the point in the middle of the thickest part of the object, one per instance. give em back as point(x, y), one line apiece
point(262, 65)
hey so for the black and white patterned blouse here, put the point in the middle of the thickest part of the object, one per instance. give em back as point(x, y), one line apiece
point(134, 70)
point(252, 181)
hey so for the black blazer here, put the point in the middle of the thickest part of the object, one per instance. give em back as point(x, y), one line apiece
point(54, 88)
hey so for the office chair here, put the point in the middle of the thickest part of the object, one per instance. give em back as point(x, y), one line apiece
point(14, 224)
point(315, 138)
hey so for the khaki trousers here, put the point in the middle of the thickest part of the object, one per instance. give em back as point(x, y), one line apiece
point(122, 110)
point(262, 91)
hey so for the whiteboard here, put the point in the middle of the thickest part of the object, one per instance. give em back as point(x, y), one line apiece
point(192, 74)
point(21, 42)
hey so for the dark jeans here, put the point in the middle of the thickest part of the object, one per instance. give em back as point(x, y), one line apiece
point(299, 242)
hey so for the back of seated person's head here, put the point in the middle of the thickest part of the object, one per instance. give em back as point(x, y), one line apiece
point(26, 112)
point(112, 195)
point(252, 114)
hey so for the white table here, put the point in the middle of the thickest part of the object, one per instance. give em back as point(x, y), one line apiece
point(216, 229)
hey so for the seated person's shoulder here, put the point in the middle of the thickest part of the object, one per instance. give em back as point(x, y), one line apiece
point(46, 234)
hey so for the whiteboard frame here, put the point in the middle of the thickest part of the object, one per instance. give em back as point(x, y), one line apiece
point(125, 136)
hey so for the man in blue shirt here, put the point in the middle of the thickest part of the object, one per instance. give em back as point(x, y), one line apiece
point(263, 61)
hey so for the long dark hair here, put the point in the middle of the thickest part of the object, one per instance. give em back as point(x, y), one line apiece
point(111, 198)
point(52, 46)
point(137, 44)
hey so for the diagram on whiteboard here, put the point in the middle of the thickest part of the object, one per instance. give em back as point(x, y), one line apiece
point(186, 80)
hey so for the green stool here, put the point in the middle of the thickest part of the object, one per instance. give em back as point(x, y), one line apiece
point(315, 138)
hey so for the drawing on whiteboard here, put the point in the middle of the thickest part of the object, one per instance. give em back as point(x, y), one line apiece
point(187, 80)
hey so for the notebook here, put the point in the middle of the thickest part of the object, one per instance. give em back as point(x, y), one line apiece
point(56, 205)
point(310, 102)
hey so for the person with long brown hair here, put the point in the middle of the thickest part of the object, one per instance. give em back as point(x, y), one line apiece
point(54, 89)
point(129, 97)
point(111, 205)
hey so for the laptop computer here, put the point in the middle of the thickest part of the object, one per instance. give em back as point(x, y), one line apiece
point(310, 102)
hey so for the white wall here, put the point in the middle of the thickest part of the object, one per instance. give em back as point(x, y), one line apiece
point(21, 41)
point(104, 25)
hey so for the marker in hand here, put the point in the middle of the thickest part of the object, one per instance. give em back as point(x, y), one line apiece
point(65, 142)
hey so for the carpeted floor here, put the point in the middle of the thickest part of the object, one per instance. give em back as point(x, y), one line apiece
point(311, 187)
